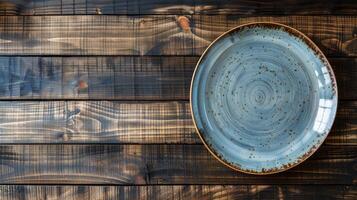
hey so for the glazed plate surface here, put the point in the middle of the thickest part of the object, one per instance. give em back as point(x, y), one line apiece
point(263, 98)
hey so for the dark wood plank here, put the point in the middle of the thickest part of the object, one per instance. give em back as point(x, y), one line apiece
point(158, 164)
point(267, 7)
point(124, 122)
point(192, 192)
point(96, 121)
point(123, 78)
point(271, 7)
point(120, 77)
point(154, 35)
point(345, 70)
point(344, 128)
point(335, 35)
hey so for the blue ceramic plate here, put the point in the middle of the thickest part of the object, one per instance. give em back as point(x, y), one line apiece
point(263, 98)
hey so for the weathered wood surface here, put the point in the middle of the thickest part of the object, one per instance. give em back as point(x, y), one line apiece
point(158, 164)
point(125, 77)
point(345, 71)
point(244, 7)
point(154, 35)
point(96, 122)
point(191, 192)
point(120, 77)
point(124, 122)
point(148, 143)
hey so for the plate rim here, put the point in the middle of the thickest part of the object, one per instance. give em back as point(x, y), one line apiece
point(317, 51)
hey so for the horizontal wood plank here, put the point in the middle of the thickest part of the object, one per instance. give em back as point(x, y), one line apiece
point(120, 77)
point(96, 121)
point(92, 7)
point(158, 164)
point(271, 7)
point(345, 71)
point(124, 122)
point(192, 192)
point(154, 35)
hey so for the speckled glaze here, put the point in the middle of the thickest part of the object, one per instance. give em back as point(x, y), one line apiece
point(263, 98)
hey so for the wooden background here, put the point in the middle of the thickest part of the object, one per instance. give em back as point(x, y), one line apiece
point(94, 100)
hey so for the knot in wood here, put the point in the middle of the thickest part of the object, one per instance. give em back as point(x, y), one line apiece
point(184, 23)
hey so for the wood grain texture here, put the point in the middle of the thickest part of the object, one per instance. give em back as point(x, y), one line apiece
point(191, 192)
point(152, 143)
point(120, 77)
point(345, 70)
point(158, 164)
point(96, 122)
point(154, 35)
point(242, 7)
point(124, 122)
point(123, 78)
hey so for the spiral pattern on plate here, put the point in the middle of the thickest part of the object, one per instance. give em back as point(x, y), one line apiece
point(263, 98)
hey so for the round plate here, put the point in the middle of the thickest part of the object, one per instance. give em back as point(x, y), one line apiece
point(263, 98)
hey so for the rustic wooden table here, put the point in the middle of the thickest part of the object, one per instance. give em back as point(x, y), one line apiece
point(94, 100)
